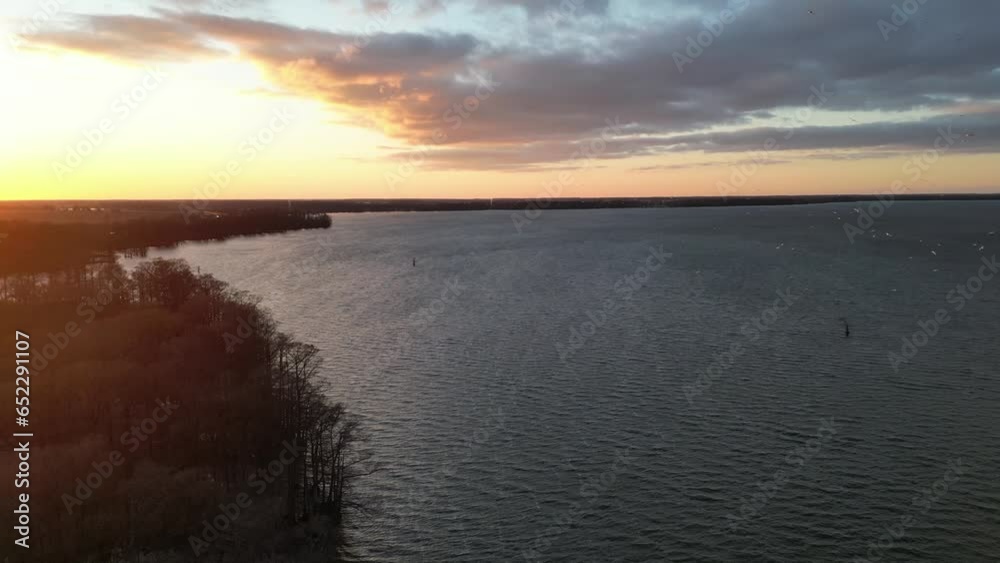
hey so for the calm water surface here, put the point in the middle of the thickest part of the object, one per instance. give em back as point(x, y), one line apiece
point(526, 408)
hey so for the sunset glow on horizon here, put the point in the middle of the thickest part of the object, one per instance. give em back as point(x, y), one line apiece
point(428, 99)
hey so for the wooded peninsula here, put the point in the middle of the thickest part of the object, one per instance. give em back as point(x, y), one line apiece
point(171, 420)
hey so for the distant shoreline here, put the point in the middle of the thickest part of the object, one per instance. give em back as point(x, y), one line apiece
point(166, 207)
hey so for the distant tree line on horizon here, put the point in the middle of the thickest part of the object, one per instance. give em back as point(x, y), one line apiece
point(32, 247)
point(543, 200)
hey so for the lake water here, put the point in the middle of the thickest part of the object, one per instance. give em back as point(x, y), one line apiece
point(543, 394)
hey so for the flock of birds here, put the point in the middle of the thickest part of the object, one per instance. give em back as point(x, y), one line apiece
point(875, 234)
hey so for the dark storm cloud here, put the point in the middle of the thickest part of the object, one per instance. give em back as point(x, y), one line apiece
point(761, 58)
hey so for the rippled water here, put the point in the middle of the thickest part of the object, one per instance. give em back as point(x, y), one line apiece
point(495, 446)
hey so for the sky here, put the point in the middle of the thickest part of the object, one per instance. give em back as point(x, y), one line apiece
point(179, 99)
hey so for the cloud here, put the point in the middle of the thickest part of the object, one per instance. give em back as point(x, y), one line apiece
point(542, 7)
point(134, 38)
point(532, 8)
point(972, 134)
point(555, 87)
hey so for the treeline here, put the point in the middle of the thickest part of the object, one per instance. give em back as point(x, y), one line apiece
point(543, 200)
point(174, 422)
point(34, 247)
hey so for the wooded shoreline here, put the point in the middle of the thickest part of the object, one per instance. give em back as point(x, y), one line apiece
point(101, 209)
point(172, 420)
